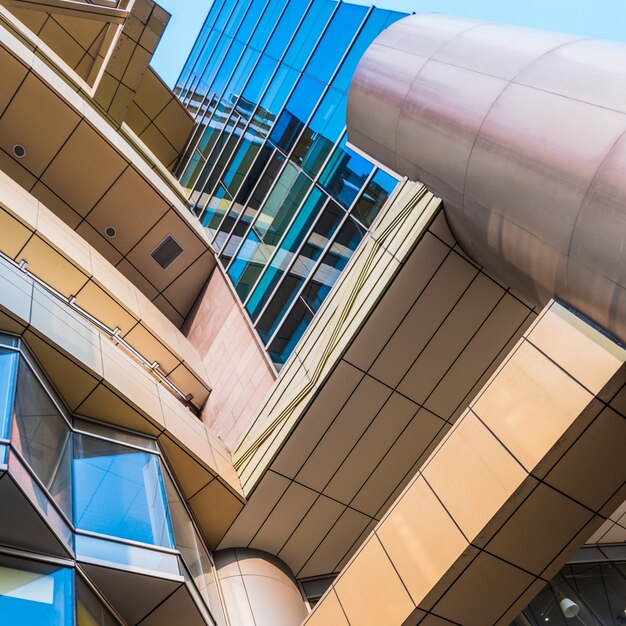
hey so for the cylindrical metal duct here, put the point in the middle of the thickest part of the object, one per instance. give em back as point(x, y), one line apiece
point(258, 589)
point(522, 133)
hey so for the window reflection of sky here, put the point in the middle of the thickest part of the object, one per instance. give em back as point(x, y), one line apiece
point(300, 83)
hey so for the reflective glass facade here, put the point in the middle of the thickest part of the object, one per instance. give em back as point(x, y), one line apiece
point(282, 197)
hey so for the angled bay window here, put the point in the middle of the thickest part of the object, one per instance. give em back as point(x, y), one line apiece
point(119, 492)
point(35, 593)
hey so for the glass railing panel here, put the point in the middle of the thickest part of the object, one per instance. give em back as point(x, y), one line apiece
point(90, 610)
point(106, 551)
point(42, 437)
point(40, 499)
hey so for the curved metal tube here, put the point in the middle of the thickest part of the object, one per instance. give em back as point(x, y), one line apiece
point(523, 135)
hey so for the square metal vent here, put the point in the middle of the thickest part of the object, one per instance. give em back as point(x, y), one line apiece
point(166, 252)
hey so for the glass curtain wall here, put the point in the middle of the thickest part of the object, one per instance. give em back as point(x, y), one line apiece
point(283, 198)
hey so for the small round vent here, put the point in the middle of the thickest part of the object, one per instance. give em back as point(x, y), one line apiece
point(19, 151)
point(110, 232)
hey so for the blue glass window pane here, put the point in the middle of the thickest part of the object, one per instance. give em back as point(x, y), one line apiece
point(119, 492)
point(241, 6)
point(312, 249)
point(376, 23)
point(266, 24)
point(278, 209)
point(240, 76)
point(333, 263)
point(309, 32)
point(263, 184)
point(290, 332)
point(286, 27)
point(246, 254)
point(42, 437)
point(335, 41)
point(216, 209)
point(33, 593)
point(250, 20)
point(375, 194)
point(191, 173)
point(297, 111)
point(205, 84)
point(225, 14)
point(228, 66)
point(345, 174)
point(294, 236)
point(281, 204)
point(8, 376)
point(276, 94)
point(256, 85)
point(320, 136)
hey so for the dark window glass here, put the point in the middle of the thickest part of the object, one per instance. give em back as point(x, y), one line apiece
point(290, 332)
point(297, 110)
point(270, 224)
point(265, 182)
point(333, 263)
point(282, 203)
point(335, 41)
point(345, 174)
point(42, 437)
point(296, 233)
point(373, 197)
point(300, 269)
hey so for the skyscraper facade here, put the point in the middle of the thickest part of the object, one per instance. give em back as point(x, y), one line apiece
point(251, 376)
point(281, 196)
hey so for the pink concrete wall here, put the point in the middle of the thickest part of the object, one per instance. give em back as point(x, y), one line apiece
point(238, 371)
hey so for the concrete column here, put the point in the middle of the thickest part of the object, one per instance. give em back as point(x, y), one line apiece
point(258, 589)
point(525, 476)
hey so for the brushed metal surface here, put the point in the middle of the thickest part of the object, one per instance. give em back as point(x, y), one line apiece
point(258, 589)
point(523, 134)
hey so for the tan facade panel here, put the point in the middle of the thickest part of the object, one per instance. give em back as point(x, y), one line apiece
point(476, 522)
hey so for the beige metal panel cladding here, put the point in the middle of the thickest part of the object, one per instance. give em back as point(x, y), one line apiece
point(522, 133)
point(524, 477)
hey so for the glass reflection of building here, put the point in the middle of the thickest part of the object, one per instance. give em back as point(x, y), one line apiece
point(94, 504)
point(284, 200)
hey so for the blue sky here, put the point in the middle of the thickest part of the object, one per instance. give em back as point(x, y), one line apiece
point(181, 32)
point(604, 19)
